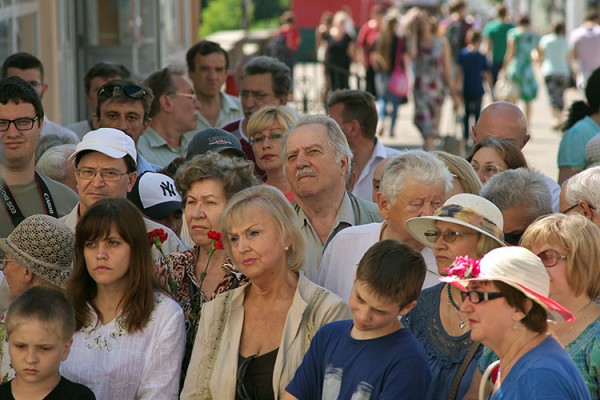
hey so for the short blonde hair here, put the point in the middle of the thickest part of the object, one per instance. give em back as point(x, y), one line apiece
point(579, 237)
point(263, 119)
point(462, 170)
point(272, 202)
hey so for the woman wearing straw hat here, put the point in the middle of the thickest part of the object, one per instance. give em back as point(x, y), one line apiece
point(38, 252)
point(466, 225)
point(505, 299)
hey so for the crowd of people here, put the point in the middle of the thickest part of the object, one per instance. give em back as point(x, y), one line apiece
point(186, 243)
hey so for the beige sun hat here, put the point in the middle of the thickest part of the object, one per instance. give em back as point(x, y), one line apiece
point(517, 267)
point(463, 209)
point(43, 245)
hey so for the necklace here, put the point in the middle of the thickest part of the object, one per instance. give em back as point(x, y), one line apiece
point(462, 324)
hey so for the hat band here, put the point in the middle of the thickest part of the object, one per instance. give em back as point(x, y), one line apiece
point(471, 217)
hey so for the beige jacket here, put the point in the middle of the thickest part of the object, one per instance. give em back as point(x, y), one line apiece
point(300, 326)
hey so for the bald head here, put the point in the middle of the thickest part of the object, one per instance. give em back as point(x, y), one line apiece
point(502, 120)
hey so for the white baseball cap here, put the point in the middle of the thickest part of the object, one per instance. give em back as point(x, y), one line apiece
point(112, 142)
point(155, 195)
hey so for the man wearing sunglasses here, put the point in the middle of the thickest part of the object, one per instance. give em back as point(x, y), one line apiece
point(581, 193)
point(93, 80)
point(522, 196)
point(173, 113)
point(31, 70)
point(124, 105)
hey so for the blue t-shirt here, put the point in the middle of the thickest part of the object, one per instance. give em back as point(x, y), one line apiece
point(473, 64)
point(337, 366)
point(571, 151)
point(544, 372)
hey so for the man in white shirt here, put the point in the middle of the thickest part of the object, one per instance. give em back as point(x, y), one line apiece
point(584, 48)
point(356, 113)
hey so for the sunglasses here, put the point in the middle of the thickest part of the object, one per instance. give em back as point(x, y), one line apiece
point(449, 236)
point(550, 257)
point(477, 297)
point(115, 90)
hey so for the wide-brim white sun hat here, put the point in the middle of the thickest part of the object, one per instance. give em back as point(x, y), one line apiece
point(463, 209)
point(517, 267)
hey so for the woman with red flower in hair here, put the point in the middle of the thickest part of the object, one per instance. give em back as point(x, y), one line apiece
point(206, 183)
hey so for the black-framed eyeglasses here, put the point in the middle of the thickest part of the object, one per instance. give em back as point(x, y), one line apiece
point(551, 257)
point(107, 175)
point(3, 262)
point(449, 236)
point(114, 90)
point(21, 124)
point(476, 297)
point(488, 169)
point(569, 209)
point(261, 138)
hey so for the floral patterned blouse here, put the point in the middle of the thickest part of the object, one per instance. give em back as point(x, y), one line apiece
point(177, 273)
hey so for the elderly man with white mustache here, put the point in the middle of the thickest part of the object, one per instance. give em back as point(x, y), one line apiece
point(317, 162)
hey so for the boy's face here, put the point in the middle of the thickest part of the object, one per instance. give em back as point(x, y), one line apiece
point(373, 316)
point(36, 353)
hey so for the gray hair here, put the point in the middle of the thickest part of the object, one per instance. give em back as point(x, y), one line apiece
point(521, 187)
point(335, 138)
point(54, 162)
point(585, 186)
point(416, 164)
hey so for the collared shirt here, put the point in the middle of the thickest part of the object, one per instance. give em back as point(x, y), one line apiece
point(156, 150)
point(143, 165)
point(231, 110)
point(350, 213)
point(364, 184)
point(52, 128)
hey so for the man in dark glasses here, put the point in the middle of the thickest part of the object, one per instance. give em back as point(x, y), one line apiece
point(173, 113)
point(93, 80)
point(124, 105)
point(522, 196)
point(31, 70)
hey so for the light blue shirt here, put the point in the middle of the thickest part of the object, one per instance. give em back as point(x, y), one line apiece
point(231, 110)
point(556, 50)
point(571, 151)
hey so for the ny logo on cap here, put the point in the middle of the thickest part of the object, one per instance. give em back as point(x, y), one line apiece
point(168, 189)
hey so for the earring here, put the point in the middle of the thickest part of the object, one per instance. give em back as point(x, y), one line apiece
point(286, 248)
point(516, 326)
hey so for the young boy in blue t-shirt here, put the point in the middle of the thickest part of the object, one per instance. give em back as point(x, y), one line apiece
point(371, 356)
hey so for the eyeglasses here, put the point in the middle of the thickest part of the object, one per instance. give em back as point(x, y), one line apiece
point(190, 96)
point(21, 124)
point(567, 210)
point(550, 257)
point(115, 90)
point(448, 236)
point(477, 297)
point(3, 262)
point(261, 138)
point(107, 175)
point(488, 169)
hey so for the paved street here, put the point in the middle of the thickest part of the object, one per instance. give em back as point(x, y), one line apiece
point(541, 151)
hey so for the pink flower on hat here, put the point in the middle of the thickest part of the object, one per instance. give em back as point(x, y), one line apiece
point(464, 267)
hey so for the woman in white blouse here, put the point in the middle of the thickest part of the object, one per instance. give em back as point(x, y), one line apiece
point(130, 335)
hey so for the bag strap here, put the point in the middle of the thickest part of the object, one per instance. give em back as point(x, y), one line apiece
point(215, 331)
point(461, 371)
